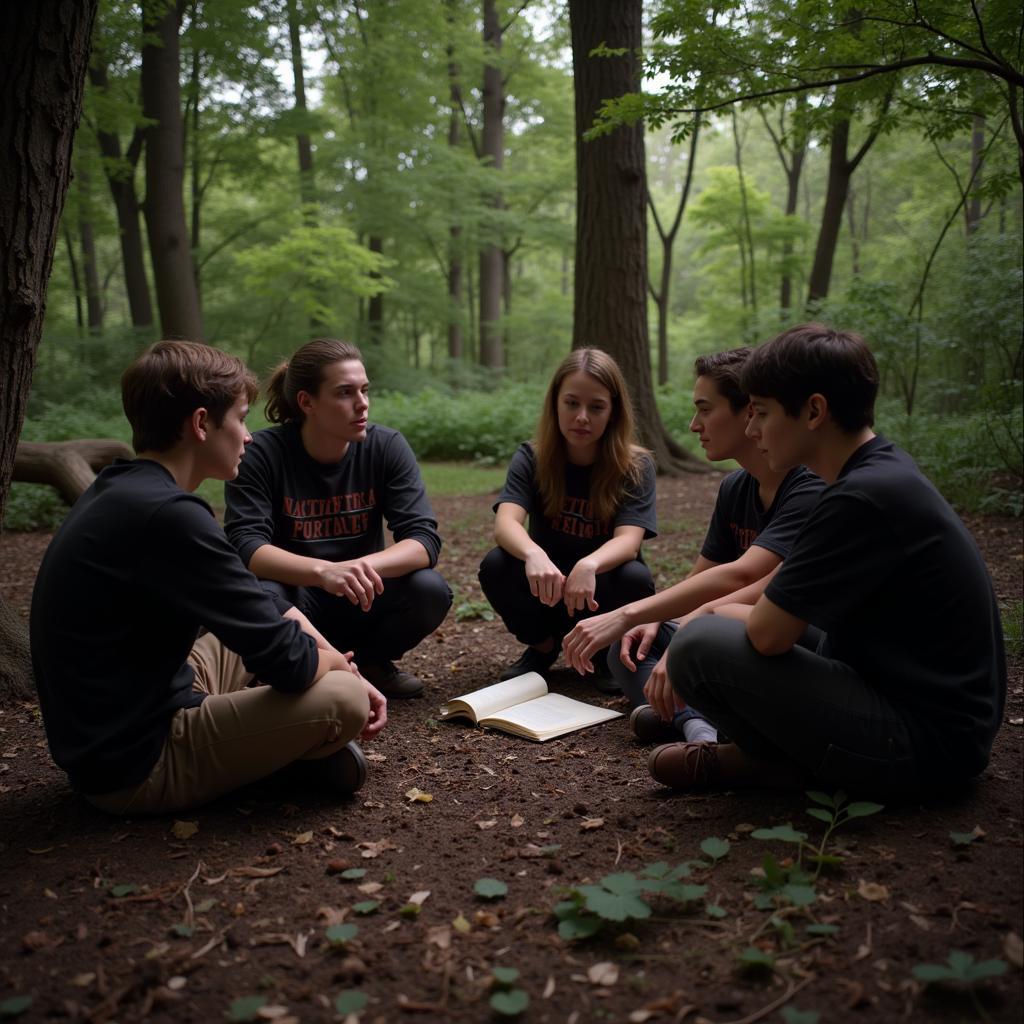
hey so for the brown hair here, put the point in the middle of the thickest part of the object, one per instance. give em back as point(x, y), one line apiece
point(812, 358)
point(619, 464)
point(724, 369)
point(170, 380)
point(303, 372)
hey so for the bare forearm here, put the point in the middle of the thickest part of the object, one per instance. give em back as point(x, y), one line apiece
point(274, 563)
point(512, 537)
point(613, 553)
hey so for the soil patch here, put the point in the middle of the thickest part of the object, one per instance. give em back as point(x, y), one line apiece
point(109, 920)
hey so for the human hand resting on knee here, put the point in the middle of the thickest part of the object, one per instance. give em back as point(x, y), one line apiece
point(546, 579)
point(640, 637)
point(659, 693)
point(580, 585)
point(356, 580)
point(589, 636)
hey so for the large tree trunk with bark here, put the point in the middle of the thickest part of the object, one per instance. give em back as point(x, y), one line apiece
point(492, 259)
point(832, 213)
point(44, 50)
point(176, 293)
point(610, 297)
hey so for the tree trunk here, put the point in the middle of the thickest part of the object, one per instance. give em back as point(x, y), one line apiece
point(492, 259)
point(44, 51)
point(307, 186)
point(176, 294)
point(120, 172)
point(972, 210)
point(375, 307)
point(455, 230)
point(67, 466)
point(76, 283)
point(610, 295)
point(832, 215)
point(87, 237)
point(195, 170)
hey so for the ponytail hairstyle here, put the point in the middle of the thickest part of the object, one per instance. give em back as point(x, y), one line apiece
point(620, 461)
point(303, 372)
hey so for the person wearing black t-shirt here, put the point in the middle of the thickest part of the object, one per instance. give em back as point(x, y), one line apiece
point(756, 518)
point(143, 713)
point(308, 509)
point(588, 491)
point(911, 690)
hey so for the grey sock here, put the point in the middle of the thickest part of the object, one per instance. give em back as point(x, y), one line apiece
point(699, 730)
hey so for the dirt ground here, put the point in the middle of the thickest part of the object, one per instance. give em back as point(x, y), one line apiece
point(113, 920)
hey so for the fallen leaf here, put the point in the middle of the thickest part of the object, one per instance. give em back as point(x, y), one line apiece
point(549, 988)
point(745, 826)
point(921, 922)
point(83, 980)
point(486, 919)
point(185, 829)
point(33, 941)
point(368, 849)
point(370, 888)
point(251, 872)
point(440, 936)
point(300, 840)
point(517, 821)
point(460, 924)
point(271, 1012)
point(589, 823)
point(374, 756)
point(490, 823)
point(418, 796)
point(1013, 949)
point(605, 973)
point(419, 898)
point(872, 891)
point(177, 982)
point(331, 915)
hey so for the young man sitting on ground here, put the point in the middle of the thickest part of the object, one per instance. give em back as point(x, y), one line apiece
point(910, 692)
point(757, 515)
point(142, 715)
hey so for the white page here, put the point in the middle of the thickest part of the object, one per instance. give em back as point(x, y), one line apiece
point(555, 712)
point(498, 696)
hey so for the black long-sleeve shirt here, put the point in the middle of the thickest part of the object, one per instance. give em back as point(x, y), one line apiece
point(334, 511)
point(135, 570)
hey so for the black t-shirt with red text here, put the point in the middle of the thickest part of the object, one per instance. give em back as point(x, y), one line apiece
point(740, 519)
point(574, 532)
point(334, 511)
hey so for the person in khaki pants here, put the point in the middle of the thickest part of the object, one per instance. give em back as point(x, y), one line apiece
point(143, 713)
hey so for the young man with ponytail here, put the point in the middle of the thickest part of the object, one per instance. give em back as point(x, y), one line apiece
point(308, 509)
point(143, 713)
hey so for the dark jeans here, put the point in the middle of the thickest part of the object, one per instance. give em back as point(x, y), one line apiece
point(798, 707)
point(410, 608)
point(504, 583)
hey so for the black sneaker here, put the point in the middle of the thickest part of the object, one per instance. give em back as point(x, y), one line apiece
point(344, 771)
point(647, 726)
point(531, 660)
point(392, 681)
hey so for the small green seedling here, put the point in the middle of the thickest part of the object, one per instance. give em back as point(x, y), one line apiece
point(791, 1015)
point(182, 931)
point(351, 874)
point(963, 839)
point(14, 1007)
point(779, 884)
point(120, 891)
point(246, 1008)
point(506, 1000)
point(365, 907)
point(715, 848)
point(714, 911)
point(490, 888)
point(466, 611)
point(350, 1002)
point(756, 961)
point(339, 934)
point(962, 969)
point(835, 811)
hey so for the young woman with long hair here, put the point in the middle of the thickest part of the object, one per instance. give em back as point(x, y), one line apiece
point(588, 491)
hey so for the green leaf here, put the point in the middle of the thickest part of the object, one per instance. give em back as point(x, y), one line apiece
point(822, 929)
point(15, 1006)
point(683, 892)
point(963, 838)
point(510, 1004)
point(933, 972)
point(123, 890)
point(791, 1015)
point(821, 815)
point(659, 869)
point(505, 975)
point(863, 809)
point(783, 833)
point(365, 907)
point(411, 910)
point(566, 908)
point(799, 895)
point(612, 906)
point(774, 876)
point(578, 926)
point(350, 1002)
point(339, 934)
point(715, 911)
point(622, 884)
point(821, 798)
point(715, 848)
point(764, 901)
point(351, 874)
point(752, 957)
point(183, 931)
point(246, 1008)
point(490, 888)
point(987, 969)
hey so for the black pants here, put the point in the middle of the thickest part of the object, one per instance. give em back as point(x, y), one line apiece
point(410, 608)
point(504, 583)
point(799, 707)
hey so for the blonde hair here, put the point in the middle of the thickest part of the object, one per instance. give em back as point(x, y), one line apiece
point(303, 372)
point(620, 461)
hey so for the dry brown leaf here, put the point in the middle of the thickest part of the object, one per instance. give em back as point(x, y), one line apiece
point(872, 891)
point(745, 827)
point(419, 898)
point(185, 829)
point(251, 872)
point(605, 973)
point(589, 823)
point(332, 915)
point(921, 922)
point(271, 1012)
point(460, 924)
point(486, 919)
point(31, 942)
point(418, 796)
point(1013, 949)
point(549, 988)
point(369, 849)
point(517, 821)
point(490, 823)
point(440, 936)
point(301, 839)
point(369, 888)
point(83, 980)
point(374, 756)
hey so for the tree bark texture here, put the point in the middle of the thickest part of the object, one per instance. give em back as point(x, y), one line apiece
point(44, 50)
point(610, 293)
point(492, 259)
point(67, 466)
point(839, 173)
point(90, 266)
point(120, 171)
point(176, 294)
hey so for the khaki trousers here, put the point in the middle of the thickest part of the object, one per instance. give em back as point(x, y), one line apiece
point(240, 733)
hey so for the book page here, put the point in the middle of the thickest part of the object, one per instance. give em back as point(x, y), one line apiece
point(498, 696)
point(546, 717)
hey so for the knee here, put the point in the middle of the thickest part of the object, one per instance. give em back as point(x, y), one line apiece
point(429, 598)
point(696, 648)
point(496, 567)
point(343, 698)
point(631, 581)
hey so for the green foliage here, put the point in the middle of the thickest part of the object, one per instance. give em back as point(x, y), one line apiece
point(490, 888)
point(350, 1002)
point(365, 907)
point(351, 874)
point(511, 1003)
point(15, 1006)
point(246, 1008)
point(340, 934)
point(1013, 627)
point(793, 1015)
point(756, 961)
point(715, 848)
point(960, 968)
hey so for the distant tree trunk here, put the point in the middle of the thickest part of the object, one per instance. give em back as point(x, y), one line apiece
point(120, 172)
point(748, 231)
point(493, 150)
point(851, 215)
point(455, 230)
point(307, 185)
point(44, 51)
point(90, 268)
point(176, 294)
point(375, 307)
point(973, 209)
point(610, 296)
point(195, 169)
point(76, 284)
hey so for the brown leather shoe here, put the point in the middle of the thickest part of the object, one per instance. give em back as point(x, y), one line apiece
point(344, 771)
point(686, 765)
point(392, 681)
point(647, 726)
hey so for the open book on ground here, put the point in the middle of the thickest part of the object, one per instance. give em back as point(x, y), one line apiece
point(523, 707)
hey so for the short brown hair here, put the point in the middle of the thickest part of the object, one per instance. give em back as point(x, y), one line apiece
point(724, 369)
point(813, 358)
point(304, 372)
point(170, 380)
